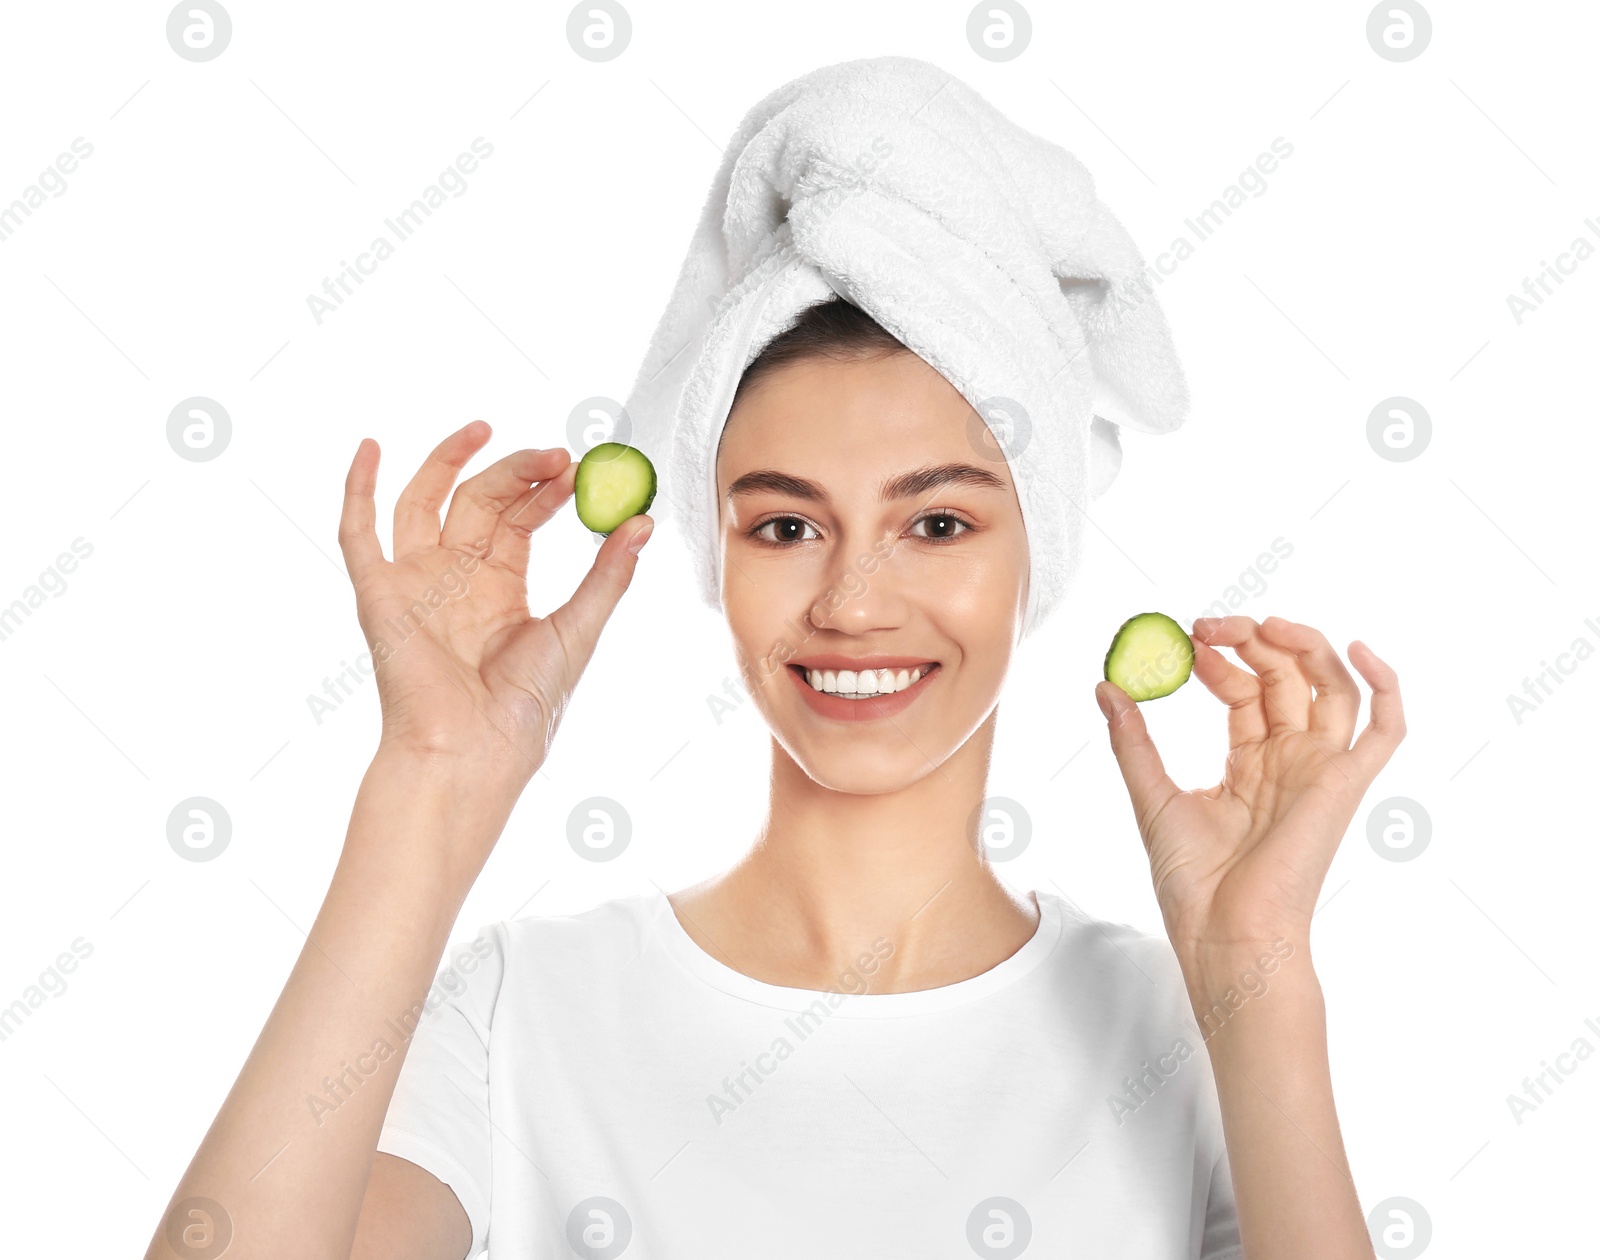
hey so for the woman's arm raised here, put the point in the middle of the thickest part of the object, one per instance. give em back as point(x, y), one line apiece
point(1237, 869)
point(472, 690)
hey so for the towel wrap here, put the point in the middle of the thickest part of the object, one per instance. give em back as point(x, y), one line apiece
point(978, 244)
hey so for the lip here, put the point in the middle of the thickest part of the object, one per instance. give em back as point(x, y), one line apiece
point(860, 710)
point(832, 660)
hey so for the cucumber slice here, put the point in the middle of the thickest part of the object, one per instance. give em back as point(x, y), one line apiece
point(613, 482)
point(1151, 656)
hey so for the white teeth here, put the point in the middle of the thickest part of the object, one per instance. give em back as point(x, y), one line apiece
point(866, 682)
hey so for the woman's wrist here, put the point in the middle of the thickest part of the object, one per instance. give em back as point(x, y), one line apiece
point(495, 761)
point(1232, 985)
point(1264, 1022)
point(426, 823)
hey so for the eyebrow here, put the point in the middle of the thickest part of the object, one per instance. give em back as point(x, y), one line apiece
point(914, 484)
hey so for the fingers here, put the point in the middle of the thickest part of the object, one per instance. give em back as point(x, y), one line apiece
point(358, 533)
point(1149, 785)
point(1338, 699)
point(1386, 724)
point(480, 502)
point(1237, 688)
point(416, 511)
point(578, 622)
point(531, 510)
point(1285, 691)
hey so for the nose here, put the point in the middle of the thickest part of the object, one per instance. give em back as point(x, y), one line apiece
point(865, 591)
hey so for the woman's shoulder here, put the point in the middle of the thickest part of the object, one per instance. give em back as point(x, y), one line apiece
point(1111, 949)
point(532, 955)
point(615, 930)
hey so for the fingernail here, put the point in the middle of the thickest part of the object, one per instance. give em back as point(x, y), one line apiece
point(1104, 702)
point(636, 544)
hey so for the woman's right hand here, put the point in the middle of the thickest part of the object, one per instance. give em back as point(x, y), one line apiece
point(465, 674)
point(472, 689)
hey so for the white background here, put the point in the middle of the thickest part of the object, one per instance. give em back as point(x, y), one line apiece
point(178, 660)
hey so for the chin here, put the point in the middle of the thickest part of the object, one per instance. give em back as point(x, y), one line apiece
point(864, 759)
point(857, 771)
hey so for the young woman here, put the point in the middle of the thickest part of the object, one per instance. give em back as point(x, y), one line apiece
point(857, 1041)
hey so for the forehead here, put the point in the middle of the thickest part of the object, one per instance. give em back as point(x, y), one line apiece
point(883, 413)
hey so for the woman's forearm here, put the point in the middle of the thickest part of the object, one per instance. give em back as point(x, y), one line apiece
point(291, 1176)
point(1268, 1043)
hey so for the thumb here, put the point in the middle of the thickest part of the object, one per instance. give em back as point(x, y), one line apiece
point(1149, 785)
point(578, 622)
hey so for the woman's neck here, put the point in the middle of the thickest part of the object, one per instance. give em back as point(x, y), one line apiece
point(837, 882)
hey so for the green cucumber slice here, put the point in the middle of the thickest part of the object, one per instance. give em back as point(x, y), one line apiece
point(613, 482)
point(1151, 656)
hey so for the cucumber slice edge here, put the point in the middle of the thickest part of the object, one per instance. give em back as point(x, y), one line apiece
point(614, 482)
point(1150, 656)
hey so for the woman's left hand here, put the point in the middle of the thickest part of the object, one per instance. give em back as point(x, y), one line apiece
point(1240, 864)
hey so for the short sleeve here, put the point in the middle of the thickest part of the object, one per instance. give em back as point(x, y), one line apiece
point(438, 1117)
point(1220, 1238)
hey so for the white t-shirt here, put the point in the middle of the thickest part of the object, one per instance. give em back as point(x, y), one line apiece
point(598, 1085)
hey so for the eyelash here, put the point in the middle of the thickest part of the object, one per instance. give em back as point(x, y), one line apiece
point(968, 527)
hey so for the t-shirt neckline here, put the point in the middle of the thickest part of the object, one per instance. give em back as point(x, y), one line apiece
point(719, 975)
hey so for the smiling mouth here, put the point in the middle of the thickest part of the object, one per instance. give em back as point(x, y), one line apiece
point(866, 684)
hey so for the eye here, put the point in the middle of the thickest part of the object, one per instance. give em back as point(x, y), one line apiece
point(786, 532)
point(949, 522)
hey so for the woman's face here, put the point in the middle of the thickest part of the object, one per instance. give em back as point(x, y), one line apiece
point(868, 520)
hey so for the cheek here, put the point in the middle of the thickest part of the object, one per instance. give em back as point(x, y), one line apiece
point(988, 578)
point(981, 606)
point(981, 623)
point(763, 627)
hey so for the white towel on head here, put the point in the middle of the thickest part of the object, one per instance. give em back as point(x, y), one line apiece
point(979, 245)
